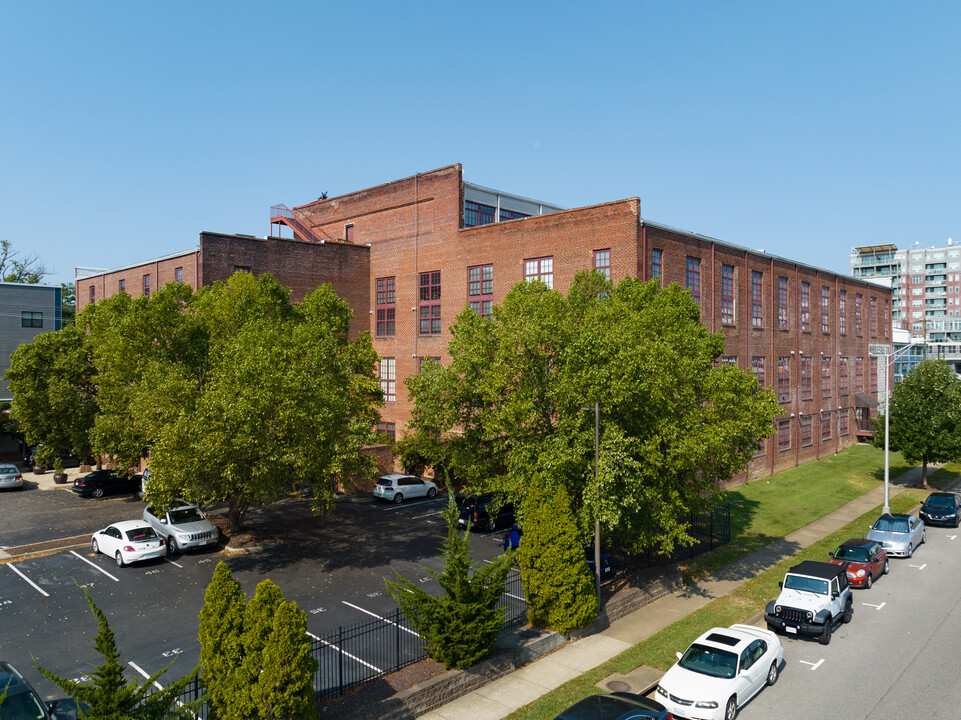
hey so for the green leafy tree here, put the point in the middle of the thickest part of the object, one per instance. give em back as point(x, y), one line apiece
point(221, 647)
point(68, 303)
point(925, 420)
point(237, 393)
point(461, 625)
point(557, 582)
point(111, 697)
point(54, 392)
point(675, 424)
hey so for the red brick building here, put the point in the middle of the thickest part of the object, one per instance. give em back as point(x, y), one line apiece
point(411, 254)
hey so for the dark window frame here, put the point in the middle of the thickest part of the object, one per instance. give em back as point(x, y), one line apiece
point(657, 259)
point(692, 277)
point(385, 297)
point(428, 302)
point(31, 318)
point(757, 303)
point(727, 295)
point(805, 307)
point(480, 289)
point(782, 303)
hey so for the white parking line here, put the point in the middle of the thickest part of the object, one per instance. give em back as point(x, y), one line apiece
point(430, 514)
point(344, 652)
point(950, 537)
point(398, 506)
point(876, 607)
point(390, 622)
point(94, 566)
point(32, 583)
point(920, 567)
point(140, 670)
point(173, 563)
point(814, 666)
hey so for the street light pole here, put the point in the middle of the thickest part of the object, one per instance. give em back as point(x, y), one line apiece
point(597, 511)
point(889, 363)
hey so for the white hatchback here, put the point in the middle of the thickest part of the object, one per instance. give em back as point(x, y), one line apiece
point(128, 541)
point(722, 670)
point(396, 488)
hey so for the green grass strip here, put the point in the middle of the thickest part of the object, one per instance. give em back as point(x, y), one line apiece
point(738, 606)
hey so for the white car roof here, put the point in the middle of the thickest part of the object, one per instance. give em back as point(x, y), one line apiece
point(125, 525)
point(397, 476)
point(741, 635)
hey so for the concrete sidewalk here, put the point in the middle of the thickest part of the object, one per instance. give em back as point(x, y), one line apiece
point(512, 692)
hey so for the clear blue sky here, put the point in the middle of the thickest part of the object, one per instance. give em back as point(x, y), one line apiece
point(804, 128)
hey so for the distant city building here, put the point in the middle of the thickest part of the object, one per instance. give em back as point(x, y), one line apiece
point(409, 255)
point(25, 312)
point(925, 292)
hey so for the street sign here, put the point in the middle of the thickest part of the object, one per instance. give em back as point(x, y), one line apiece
point(879, 350)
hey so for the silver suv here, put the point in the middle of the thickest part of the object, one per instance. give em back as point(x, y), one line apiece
point(183, 526)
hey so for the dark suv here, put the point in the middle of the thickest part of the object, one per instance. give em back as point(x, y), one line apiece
point(477, 509)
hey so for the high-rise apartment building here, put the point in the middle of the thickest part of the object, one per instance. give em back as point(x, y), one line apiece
point(925, 291)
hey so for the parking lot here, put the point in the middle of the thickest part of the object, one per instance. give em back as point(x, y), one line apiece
point(334, 570)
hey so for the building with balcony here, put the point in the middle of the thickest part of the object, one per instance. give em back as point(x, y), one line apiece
point(926, 292)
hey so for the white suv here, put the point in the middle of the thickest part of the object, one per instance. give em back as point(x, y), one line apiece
point(815, 597)
point(183, 526)
point(395, 488)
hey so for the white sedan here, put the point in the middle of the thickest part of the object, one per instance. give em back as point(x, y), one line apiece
point(722, 670)
point(128, 541)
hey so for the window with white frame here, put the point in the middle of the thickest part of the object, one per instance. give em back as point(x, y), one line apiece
point(388, 379)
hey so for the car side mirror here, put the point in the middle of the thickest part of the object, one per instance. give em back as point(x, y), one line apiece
point(830, 554)
point(780, 584)
point(678, 655)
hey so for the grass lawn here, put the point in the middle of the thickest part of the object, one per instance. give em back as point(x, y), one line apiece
point(768, 509)
point(944, 476)
point(658, 650)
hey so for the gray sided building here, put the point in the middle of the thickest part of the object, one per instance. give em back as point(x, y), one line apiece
point(25, 312)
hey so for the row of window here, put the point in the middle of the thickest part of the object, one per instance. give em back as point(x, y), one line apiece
point(829, 422)
point(122, 284)
point(476, 213)
point(480, 292)
point(692, 281)
point(807, 374)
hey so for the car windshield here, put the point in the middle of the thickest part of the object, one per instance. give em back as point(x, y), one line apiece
point(24, 706)
point(939, 501)
point(141, 533)
point(709, 661)
point(891, 524)
point(852, 554)
point(8, 470)
point(809, 584)
point(185, 515)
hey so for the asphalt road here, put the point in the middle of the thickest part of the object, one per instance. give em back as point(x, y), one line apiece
point(897, 658)
point(334, 571)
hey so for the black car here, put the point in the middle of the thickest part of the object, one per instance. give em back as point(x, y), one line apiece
point(68, 459)
point(606, 567)
point(616, 706)
point(941, 508)
point(22, 702)
point(105, 482)
point(477, 509)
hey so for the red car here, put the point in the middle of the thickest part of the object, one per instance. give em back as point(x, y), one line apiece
point(864, 561)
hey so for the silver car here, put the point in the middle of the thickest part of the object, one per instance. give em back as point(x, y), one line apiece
point(395, 487)
point(10, 478)
point(183, 526)
point(900, 534)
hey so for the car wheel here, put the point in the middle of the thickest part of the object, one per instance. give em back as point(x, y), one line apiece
point(848, 610)
point(924, 537)
point(119, 558)
point(825, 637)
point(172, 548)
point(94, 546)
point(491, 525)
point(730, 711)
point(910, 551)
point(869, 581)
point(772, 673)
point(886, 568)
point(432, 492)
point(398, 499)
point(97, 492)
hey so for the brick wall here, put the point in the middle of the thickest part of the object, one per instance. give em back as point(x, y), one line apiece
point(298, 265)
point(745, 341)
point(160, 271)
